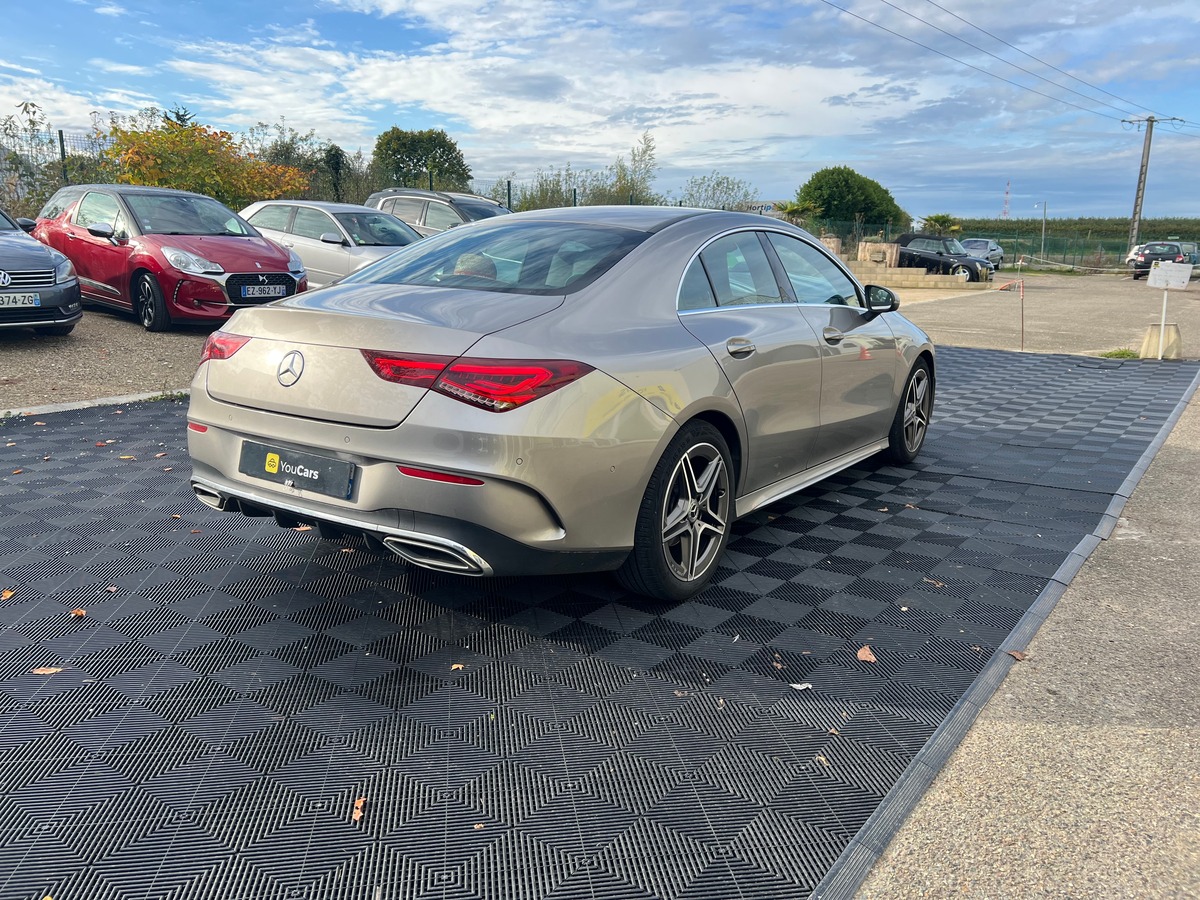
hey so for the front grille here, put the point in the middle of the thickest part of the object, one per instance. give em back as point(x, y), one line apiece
point(235, 283)
point(31, 279)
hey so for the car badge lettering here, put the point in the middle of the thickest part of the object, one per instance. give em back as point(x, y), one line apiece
point(5, 279)
point(290, 369)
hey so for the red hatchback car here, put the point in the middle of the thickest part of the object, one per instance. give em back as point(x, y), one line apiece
point(165, 255)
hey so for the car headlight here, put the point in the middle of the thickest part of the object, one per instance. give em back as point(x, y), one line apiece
point(64, 271)
point(186, 261)
point(295, 264)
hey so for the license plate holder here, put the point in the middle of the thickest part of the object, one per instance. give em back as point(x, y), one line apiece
point(298, 469)
point(16, 301)
point(261, 291)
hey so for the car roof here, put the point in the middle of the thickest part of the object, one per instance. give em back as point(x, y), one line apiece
point(135, 189)
point(327, 205)
point(640, 218)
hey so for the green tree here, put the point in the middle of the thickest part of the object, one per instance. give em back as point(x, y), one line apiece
point(799, 212)
point(410, 158)
point(846, 196)
point(717, 191)
point(625, 182)
point(941, 223)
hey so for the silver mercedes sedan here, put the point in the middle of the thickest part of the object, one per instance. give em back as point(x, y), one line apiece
point(566, 390)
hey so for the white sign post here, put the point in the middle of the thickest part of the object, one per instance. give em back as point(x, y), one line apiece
point(1170, 277)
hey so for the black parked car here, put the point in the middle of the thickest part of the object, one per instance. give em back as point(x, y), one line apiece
point(940, 255)
point(1156, 251)
point(38, 286)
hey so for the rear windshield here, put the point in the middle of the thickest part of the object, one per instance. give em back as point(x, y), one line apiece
point(477, 209)
point(1162, 248)
point(523, 258)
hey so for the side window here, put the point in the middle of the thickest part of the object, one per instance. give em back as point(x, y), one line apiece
point(387, 205)
point(60, 201)
point(408, 208)
point(96, 209)
point(739, 271)
point(273, 217)
point(695, 292)
point(441, 216)
point(312, 223)
point(121, 227)
point(814, 277)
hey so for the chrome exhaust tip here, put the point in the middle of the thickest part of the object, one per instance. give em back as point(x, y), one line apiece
point(210, 498)
point(442, 556)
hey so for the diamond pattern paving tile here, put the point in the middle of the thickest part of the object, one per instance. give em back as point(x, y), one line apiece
point(249, 711)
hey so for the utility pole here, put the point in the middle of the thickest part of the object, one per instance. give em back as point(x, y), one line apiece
point(1136, 221)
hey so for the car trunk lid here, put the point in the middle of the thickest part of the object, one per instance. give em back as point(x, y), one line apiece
point(305, 354)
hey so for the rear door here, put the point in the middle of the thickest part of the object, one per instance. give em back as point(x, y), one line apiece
point(325, 261)
point(731, 301)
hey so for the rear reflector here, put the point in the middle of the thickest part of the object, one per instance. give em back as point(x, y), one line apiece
point(197, 427)
point(496, 385)
point(431, 475)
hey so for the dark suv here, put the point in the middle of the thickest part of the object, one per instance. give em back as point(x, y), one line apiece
point(432, 211)
point(941, 255)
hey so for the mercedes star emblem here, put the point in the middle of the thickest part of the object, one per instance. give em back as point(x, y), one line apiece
point(291, 368)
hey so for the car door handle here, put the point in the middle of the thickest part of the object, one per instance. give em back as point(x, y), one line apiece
point(740, 346)
point(832, 336)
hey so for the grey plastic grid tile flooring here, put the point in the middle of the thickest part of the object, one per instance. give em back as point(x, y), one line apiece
point(234, 690)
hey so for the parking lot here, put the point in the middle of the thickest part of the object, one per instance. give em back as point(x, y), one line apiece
point(240, 710)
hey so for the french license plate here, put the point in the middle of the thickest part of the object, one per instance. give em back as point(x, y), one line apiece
point(264, 290)
point(296, 469)
point(14, 300)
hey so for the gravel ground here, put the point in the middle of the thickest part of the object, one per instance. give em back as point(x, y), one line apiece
point(107, 355)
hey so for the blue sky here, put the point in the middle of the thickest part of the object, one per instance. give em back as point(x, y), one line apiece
point(955, 106)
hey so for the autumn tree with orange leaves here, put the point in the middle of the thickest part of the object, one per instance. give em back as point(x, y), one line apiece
point(163, 151)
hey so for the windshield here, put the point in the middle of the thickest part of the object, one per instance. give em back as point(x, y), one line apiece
point(524, 258)
point(376, 229)
point(7, 224)
point(185, 214)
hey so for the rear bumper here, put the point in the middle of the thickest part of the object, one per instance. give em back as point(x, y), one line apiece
point(423, 539)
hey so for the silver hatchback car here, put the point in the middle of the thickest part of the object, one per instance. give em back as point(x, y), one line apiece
point(561, 391)
point(331, 239)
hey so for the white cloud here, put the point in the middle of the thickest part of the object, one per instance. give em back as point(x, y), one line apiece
point(107, 65)
point(111, 10)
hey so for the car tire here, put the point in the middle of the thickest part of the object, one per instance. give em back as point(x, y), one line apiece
point(685, 517)
point(151, 308)
point(911, 422)
point(55, 330)
point(960, 270)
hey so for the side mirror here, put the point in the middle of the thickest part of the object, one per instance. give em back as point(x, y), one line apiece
point(332, 237)
point(27, 225)
point(102, 230)
point(881, 299)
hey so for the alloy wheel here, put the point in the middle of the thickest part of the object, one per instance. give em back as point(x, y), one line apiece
point(696, 512)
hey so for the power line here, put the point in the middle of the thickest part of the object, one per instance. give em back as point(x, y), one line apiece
point(963, 62)
point(1037, 60)
point(1005, 61)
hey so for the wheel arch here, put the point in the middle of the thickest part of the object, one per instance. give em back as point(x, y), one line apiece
point(733, 440)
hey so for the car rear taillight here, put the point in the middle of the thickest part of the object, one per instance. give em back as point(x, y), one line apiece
point(222, 345)
point(496, 385)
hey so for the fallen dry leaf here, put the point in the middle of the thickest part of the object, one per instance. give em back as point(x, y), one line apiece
point(822, 760)
point(302, 528)
point(112, 588)
point(933, 582)
point(101, 444)
point(18, 471)
point(865, 655)
point(802, 687)
point(7, 594)
point(454, 667)
point(778, 665)
point(347, 549)
point(166, 468)
point(883, 509)
point(46, 670)
point(159, 455)
point(126, 457)
point(720, 703)
point(39, 424)
point(358, 808)
point(833, 731)
point(11, 444)
point(1018, 655)
point(680, 693)
point(78, 613)
point(176, 516)
point(197, 531)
